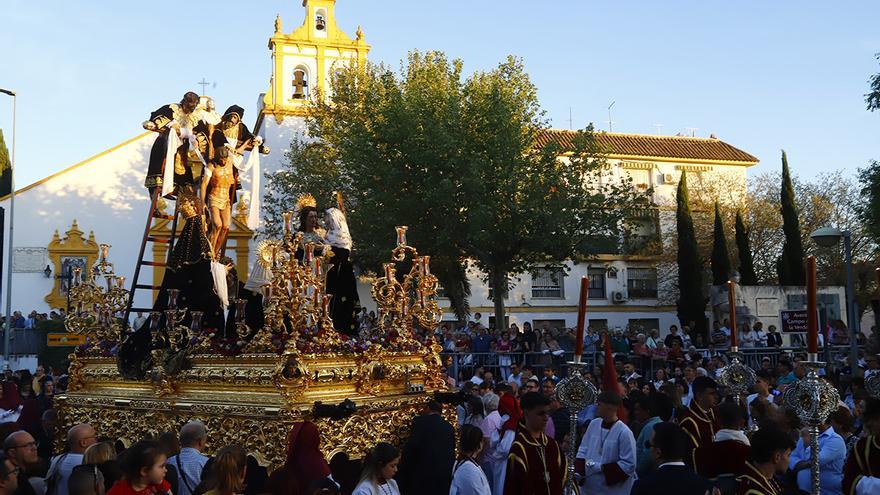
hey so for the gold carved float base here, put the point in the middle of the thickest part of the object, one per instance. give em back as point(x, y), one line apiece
point(253, 400)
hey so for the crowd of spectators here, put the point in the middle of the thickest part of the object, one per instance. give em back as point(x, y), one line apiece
point(19, 321)
point(504, 387)
point(474, 345)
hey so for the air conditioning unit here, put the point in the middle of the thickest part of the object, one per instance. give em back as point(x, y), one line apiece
point(618, 297)
point(668, 179)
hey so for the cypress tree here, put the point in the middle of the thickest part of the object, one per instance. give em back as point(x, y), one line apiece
point(5, 168)
point(720, 253)
point(790, 266)
point(691, 303)
point(746, 263)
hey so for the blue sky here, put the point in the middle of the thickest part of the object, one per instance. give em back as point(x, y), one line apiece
point(763, 76)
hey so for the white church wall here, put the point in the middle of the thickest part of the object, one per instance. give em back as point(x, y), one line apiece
point(105, 195)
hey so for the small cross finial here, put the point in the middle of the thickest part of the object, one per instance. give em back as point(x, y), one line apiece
point(204, 84)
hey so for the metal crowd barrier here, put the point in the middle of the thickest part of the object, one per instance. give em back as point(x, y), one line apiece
point(499, 363)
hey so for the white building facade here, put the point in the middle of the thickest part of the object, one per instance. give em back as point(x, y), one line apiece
point(626, 290)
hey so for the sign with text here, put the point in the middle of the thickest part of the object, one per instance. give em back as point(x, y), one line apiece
point(793, 321)
point(64, 339)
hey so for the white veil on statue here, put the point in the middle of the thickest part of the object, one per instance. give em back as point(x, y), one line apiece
point(337, 229)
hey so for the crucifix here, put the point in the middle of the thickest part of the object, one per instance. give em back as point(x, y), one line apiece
point(204, 84)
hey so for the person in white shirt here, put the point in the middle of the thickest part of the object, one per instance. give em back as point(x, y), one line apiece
point(629, 372)
point(761, 335)
point(380, 466)
point(139, 320)
point(690, 373)
point(607, 455)
point(468, 477)
point(478, 376)
point(515, 375)
point(747, 337)
point(79, 438)
point(762, 389)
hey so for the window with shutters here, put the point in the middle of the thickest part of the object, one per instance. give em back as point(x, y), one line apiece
point(547, 283)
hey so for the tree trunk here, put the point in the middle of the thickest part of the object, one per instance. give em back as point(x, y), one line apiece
point(499, 291)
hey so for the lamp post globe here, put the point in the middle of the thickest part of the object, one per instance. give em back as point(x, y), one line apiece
point(827, 236)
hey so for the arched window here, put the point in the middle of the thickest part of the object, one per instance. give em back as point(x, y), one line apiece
point(300, 83)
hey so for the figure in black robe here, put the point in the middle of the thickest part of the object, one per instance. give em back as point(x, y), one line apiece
point(191, 119)
point(341, 282)
point(188, 271)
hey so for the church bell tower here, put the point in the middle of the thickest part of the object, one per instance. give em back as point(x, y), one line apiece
point(304, 60)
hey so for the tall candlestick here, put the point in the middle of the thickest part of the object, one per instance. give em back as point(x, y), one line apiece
point(309, 251)
point(731, 303)
point(582, 319)
point(812, 323)
point(426, 265)
point(389, 272)
point(287, 215)
point(172, 298)
point(401, 235)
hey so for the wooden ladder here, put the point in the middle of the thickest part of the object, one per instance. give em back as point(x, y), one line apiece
point(154, 213)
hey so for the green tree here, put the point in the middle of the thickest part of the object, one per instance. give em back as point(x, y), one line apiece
point(457, 161)
point(691, 301)
point(744, 252)
point(720, 253)
point(873, 96)
point(5, 168)
point(868, 210)
point(790, 265)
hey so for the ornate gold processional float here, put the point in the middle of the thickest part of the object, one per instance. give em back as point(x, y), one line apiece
point(249, 388)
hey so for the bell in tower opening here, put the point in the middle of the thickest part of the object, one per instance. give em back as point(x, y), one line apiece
point(320, 24)
point(300, 84)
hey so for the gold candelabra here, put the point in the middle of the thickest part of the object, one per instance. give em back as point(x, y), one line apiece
point(94, 307)
point(408, 300)
point(294, 300)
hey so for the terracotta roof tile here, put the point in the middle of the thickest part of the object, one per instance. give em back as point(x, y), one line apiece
point(689, 148)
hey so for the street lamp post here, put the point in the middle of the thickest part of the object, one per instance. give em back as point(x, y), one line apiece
point(8, 332)
point(830, 237)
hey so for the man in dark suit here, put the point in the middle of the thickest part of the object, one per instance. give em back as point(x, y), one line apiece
point(668, 447)
point(774, 338)
point(428, 455)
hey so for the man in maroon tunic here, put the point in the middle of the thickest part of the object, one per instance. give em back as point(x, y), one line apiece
point(698, 420)
point(861, 473)
point(728, 453)
point(770, 452)
point(536, 464)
